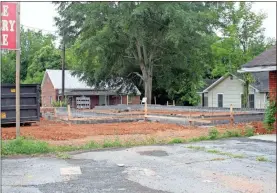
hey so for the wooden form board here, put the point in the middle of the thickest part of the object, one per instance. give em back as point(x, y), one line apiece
point(175, 118)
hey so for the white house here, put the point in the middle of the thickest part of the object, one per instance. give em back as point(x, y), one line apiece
point(229, 90)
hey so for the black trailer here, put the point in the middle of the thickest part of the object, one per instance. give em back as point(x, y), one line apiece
point(29, 103)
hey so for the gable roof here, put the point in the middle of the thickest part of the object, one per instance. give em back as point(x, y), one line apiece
point(73, 82)
point(207, 83)
point(260, 84)
point(265, 59)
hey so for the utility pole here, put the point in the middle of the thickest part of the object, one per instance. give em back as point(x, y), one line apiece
point(63, 66)
point(17, 74)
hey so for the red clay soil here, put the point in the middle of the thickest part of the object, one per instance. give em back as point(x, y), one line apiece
point(61, 133)
point(258, 126)
point(49, 130)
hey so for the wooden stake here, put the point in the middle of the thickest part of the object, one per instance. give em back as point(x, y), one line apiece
point(173, 102)
point(55, 112)
point(69, 112)
point(231, 115)
point(155, 100)
point(166, 103)
point(145, 109)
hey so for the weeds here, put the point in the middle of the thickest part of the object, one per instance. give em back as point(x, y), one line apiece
point(63, 155)
point(249, 131)
point(261, 159)
point(214, 151)
point(234, 133)
point(109, 143)
point(213, 133)
point(176, 140)
point(92, 145)
point(218, 159)
point(196, 147)
point(24, 146)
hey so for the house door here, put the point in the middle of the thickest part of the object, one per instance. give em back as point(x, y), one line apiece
point(220, 100)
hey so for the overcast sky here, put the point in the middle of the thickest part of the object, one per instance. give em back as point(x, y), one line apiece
point(41, 15)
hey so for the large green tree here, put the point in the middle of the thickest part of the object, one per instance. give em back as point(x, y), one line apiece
point(160, 41)
point(241, 37)
point(31, 42)
point(46, 58)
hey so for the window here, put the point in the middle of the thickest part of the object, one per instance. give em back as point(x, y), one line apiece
point(242, 103)
point(220, 100)
point(251, 101)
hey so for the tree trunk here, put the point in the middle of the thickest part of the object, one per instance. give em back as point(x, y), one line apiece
point(147, 79)
point(148, 89)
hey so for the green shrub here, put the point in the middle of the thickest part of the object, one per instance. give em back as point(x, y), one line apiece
point(270, 114)
point(213, 133)
point(24, 146)
point(59, 103)
point(249, 131)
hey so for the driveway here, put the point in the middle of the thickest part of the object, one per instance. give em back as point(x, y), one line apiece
point(228, 166)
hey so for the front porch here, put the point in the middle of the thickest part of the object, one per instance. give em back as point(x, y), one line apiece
point(90, 99)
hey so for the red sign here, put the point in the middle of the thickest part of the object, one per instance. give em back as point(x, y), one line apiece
point(8, 25)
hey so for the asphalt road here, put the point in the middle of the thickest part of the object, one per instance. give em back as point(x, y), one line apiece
point(208, 167)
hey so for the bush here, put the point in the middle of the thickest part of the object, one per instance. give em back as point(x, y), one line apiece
point(270, 114)
point(59, 103)
point(213, 133)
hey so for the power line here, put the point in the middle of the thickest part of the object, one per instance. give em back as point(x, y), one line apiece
point(40, 29)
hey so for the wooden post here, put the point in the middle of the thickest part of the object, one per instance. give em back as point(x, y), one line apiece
point(231, 115)
point(173, 102)
point(155, 100)
point(127, 99)
point(145, 109)
point(69, 112)
point(166, 103)
point(17, 74)
point(55, 112)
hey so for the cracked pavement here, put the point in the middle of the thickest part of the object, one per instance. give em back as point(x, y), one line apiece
point(152, 169)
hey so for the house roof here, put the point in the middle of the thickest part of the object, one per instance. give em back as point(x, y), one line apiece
point(260, 83)
point(207, 83)
point(73, 82)
point(265, 59)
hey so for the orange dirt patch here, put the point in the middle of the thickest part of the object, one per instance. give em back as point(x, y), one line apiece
point(61, 133)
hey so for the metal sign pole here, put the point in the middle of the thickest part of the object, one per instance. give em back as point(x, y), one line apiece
point(17, 81)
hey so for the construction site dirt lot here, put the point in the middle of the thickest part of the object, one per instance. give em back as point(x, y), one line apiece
point(58, 133)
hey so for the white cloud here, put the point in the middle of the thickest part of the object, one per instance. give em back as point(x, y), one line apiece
point(270, 22)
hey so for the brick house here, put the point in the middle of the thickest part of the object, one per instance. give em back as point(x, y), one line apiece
point(79, 94)
point(265, 62)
